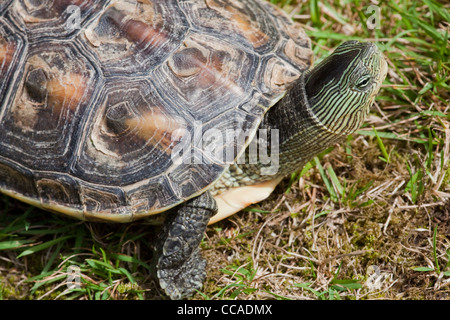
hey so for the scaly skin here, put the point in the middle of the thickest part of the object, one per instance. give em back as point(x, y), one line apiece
point(179, 265)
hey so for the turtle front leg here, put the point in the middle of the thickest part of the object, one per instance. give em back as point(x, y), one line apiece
point(180, 267)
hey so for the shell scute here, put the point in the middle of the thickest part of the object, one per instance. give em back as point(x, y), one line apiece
point(11, 48)
point(125, 135)
point(207, 76)
point(101, 200)
point(192, 177)
point(55, 18)
point(153, 195)
point(55, 189)
point(241, 22)
point(16, 179)
point(132, 37)
point(41, 122)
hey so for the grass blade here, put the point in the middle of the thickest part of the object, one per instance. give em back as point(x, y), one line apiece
point(43, 246)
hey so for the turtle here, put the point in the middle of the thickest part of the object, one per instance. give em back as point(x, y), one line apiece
point(186, 110)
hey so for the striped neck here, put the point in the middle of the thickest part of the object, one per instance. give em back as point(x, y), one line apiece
point(306, 133)
point(301, 133)
point(335, 112)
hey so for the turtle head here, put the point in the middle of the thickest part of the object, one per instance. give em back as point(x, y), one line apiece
point(341, 89)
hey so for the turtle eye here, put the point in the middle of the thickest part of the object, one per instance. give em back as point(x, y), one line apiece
point(363, 82)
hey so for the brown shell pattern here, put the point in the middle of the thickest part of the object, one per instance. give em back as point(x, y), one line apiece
point(93, 95)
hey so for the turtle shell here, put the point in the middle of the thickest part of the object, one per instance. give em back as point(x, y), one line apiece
point(106, 106)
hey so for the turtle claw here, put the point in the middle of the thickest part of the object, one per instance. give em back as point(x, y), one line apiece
point(183, 281)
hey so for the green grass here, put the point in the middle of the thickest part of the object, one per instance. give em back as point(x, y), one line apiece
point(436, 268)
point(380, 201)
point(106, 262)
